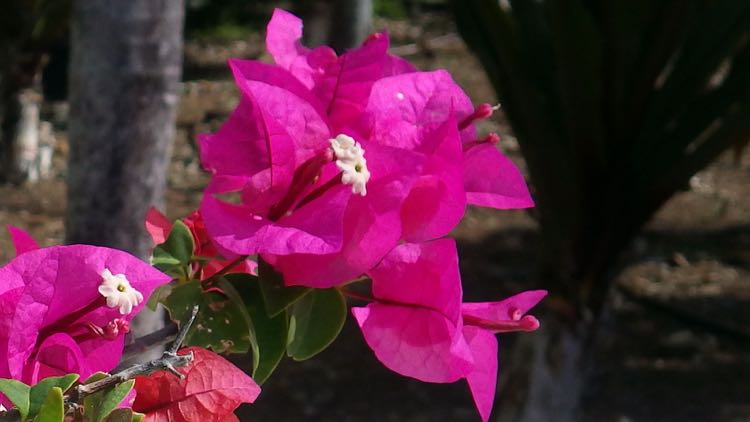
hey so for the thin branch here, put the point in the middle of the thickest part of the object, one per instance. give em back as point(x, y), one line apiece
point(168, 362)
point(182, 333)
point(144, 343)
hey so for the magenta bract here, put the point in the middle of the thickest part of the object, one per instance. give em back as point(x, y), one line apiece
point(418, 327)
point(54, 321)
point(292, 204)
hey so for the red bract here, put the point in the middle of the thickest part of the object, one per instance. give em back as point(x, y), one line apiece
point(210, 392)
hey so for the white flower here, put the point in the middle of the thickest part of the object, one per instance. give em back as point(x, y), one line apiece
point(119, 292)
point(350, 159)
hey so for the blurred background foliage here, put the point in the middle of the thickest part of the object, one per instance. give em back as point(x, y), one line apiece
point(616, 104)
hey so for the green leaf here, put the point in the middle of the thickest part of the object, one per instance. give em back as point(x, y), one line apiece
point(159, 295)
point(220, 323)
point(314, 322)
point(40, 391)
point(52, 409)
point(234, 296)
point(138, 417)
point(121, 415)
point(270, 332)
point(18, 393)
point(111, 399)
point(276, 296)
point(96, 376)
point(91, 402)
point(175, 253)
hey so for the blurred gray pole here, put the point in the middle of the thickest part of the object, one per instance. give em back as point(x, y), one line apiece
point(341, 24)
point(351, 23)
point(125, 69)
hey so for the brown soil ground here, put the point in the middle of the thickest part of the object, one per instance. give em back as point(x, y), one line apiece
point(676, 344)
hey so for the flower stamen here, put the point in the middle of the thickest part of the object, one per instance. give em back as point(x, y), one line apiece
point(527, 323)
point(492, 138)
point(481, 112)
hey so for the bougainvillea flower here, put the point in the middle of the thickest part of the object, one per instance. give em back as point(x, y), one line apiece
point(304, 197)
point(53, 318)
point(323, 214)
point(418, 327)
point(404, 107)
point(158, 227)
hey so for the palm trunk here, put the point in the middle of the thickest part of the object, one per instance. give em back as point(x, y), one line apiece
point(546, 374)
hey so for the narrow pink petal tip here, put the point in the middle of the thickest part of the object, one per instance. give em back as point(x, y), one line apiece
point(22, 241)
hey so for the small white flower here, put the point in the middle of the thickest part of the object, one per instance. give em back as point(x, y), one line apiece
point(350, 159)
point(119, 292)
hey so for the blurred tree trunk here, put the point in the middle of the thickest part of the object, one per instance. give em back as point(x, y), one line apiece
point(341, 24)
point(124, 82)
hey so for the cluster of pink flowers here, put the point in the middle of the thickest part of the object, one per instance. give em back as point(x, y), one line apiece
point(360, 164)
point(344, 166)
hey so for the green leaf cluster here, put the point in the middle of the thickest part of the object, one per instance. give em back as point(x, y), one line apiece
point(175, 254)
point(243, 313)
point(47, 401)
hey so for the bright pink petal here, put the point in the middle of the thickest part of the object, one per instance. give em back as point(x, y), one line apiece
point(501, 311)
point(262, 73)
point(22, 241)
point(58, 355)
point(421, 274)
point(438, 201)
point(395, 65)
point(282, 40)
point(492, 180)
point(345, 87)
point(158, 226)
point(315, 228)
point(250, 146)
point(415, 342)
point(483, 378)
point(400, 106)
point(286, 106)
point(101, 354)
point(8, 302)
point(62, 280)
point(240, 147)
